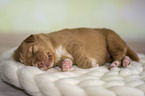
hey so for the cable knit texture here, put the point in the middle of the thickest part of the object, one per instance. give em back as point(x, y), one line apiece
point(97, 81)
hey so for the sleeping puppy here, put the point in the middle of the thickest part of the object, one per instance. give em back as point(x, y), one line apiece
point(84, 47)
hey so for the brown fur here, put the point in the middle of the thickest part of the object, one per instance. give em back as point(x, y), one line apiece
point(82, 43)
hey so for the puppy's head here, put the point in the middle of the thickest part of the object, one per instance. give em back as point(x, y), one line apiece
point(36, 50)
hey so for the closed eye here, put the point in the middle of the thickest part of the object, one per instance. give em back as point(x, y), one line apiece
point(32, 50)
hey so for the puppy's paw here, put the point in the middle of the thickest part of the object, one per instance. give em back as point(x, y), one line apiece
point(94, 64)
point(126, 61)
point(115, 64)
point(66, 65)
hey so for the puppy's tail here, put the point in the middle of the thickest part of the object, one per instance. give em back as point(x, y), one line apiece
point(132, 54)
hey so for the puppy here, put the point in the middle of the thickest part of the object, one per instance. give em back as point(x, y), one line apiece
point(84, 47)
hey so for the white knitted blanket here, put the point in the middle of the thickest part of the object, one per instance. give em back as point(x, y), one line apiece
point(97, 81)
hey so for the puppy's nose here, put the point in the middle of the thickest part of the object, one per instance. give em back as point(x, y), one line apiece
point(40, 64)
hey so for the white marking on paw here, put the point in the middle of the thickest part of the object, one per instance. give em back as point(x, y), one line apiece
point(94, 64)
point(115, 64)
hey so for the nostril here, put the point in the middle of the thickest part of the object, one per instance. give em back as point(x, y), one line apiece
point(40, 64)
point(49, 56)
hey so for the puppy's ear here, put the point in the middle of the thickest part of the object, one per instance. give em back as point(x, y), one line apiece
point(30, 39)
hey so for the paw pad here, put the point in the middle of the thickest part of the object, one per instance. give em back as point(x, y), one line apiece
point(126, 61)
point(66, 65)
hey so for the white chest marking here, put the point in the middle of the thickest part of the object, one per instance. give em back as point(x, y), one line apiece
point(60, 51)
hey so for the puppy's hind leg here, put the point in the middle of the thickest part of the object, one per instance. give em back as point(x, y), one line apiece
point(117, 48)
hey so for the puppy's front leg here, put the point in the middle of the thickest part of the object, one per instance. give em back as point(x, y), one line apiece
point(77, 50)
